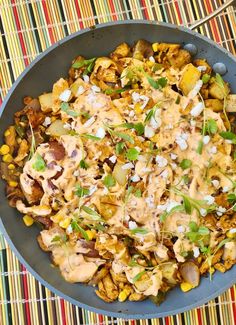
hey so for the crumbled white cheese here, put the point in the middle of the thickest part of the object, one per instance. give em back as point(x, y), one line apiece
point(195, 90)
point(67, 126)
point(196, 252)
point(151, 58)
point(150, 201)
point(173, 166)
point(149, 132)
point(145, 100)
point(132, 225)
point(181, 229)
point(228, 141)
point(86, 78)
point(173, 156)
point(113, 159)
point(131, 113)
point(232, 231)
point(202, 68)
point(203, 212)
point(213, 150)
point(100, 133)
point(155, 123)
point(146, 170)
point(127, 166)
point(215, 183)
point(65, 95)
point(89, 122)
point(171, 205)
point(193, 123)
point(95, 89)
point(80, 91)
point(69, 230)
point(135, 96)
point(197, 110)
point(206, 139)
point(209, 199)
point(181, 141)
point(92, 189)
point(135, 178)
point(57, 168)
point(220, 211)
point(161, 161)
point(225, 189)
point(47, 121)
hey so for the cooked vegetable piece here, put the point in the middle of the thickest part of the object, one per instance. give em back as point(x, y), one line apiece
point(189, 78)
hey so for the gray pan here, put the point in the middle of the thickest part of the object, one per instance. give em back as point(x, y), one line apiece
point(38, 78)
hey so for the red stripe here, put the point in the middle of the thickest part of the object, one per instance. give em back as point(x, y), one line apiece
point(178, 12)
point(114, 16)
point(145, 9)
point(233, 303)
point(167, 320)
point(132, 322)
point(18, 26)
point(26, 295)
point(48, 21)
point(63, 314)
point(100, 318)
point(199, 316)
point(81, 25)
point(213, 23)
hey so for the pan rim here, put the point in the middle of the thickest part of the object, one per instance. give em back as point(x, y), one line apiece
point(2, 227)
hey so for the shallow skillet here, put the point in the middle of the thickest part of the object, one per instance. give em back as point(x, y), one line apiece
point(39, 77)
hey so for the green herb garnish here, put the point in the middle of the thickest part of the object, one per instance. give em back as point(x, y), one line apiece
point(211, 127)
point(165, 214)
point(65, 107)
point(59, 239)
point(132, 154)
point(89, 64)
point(78, 228)
point(109, 181)
point(138, 193)
point(157, 84)
point(228, 135)
point(90, 137)
point(95, 216)
point(39, 164)
point(219, 80)
point(138, 230)
point(81, 191)
point(205, 78)
point(138, 276)
point(185, 164)
point(120, 147)
point(83, 164)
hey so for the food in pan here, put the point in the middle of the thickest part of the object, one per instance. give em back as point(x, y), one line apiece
point(128, 166)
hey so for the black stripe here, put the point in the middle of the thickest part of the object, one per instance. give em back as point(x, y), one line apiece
point(174, 319)
point(162, 321)
point(63, 17)
point(6, 50)
point(129, 9)
point(36, 33)
point(94, 11)
point(5, 269)
point(80, 315)
point(207, 314)
point(217, 307)
point(182, 319)
point(39, 313)
point(193, 9)
point(162, 10)
point(45, 304)
point(53, 305)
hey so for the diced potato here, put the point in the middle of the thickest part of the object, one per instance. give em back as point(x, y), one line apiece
point(56, 129)
point(216, 91)
point(215, 104)
point(231, 103)
point(46, 102)
point(203, 63)
point(142, 49)
point(120, 174)
point(58, 88)
point(189, 78)
point(182, 58)
point(229, 251)
point(121, 51)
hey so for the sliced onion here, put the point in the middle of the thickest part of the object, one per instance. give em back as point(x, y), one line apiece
point(120, 174)
point(190, 273)
point(57, 129)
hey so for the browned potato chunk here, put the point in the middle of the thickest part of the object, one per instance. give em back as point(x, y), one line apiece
point(105, 69)
point(189, 78)
point(215, 104)
point(203, 63)
point(231, 103)
point(136, 297)
point(216, 91)
point(10, 138)
point(22, 151)
point(121, 51)
point(142, 49)
point(46, 102)
point(182, 58)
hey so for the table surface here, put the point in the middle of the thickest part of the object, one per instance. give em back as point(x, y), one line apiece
point(27, 28)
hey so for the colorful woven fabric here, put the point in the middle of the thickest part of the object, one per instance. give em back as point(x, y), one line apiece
point(26, 29)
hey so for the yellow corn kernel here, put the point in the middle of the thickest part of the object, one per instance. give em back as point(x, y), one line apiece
point(7, 158)
point(28, 221)
point(135, 86)
point(65, 223)
point(90, 234)
point(212, 270)
point(137, 108)
point(53, 118)
point(155, 47)
point(155, 138)
point(4, 149)
point(150, 64)
point(19, 140)
point(13, 183)
point(123, 295)
point(231, 234)
point(185, 286)
point(57, 218)
point(11, 166)
point(7, 133)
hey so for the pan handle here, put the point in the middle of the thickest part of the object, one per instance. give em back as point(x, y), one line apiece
point(212, 15)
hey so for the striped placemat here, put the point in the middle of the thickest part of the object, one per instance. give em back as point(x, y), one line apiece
point(26, 29)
